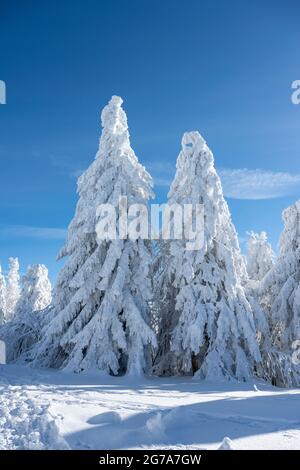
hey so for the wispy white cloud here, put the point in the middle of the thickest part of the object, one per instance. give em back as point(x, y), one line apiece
point(66, 166)
point(161, 172)
point(258, 184)
point(239, 183)
point(26, 231)
point(162, 181)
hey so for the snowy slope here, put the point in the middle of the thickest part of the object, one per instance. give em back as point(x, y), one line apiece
point(50, 409)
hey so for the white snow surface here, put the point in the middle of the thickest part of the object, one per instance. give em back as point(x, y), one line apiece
point(47, 409)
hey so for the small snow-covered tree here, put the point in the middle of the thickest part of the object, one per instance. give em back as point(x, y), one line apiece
point(2, 297)
point(260, 259)
point(100, 315)
point(36, 290)
point(280, 291)
point(164, 314)
point(211, 325)
point(13, 288)
point(260, 256)
point(23, 331)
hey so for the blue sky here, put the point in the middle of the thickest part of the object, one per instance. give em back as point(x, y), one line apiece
point(224, 68)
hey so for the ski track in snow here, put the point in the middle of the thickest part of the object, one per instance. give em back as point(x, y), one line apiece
point(56, 410)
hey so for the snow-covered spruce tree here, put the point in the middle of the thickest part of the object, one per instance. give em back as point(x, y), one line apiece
point(13, 288)
point(260, 259)
point(280, 291)
point(100, 315)
point(164, 315)
point(2, 297)
point(23, 331)
point(36, 290)
point(260, 256)
point(214, 333)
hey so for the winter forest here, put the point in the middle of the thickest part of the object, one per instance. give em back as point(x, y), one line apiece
point(151, 308)
point(149, 232)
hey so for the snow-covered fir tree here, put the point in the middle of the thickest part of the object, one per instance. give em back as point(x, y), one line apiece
point(23, 331)
point(211, 325)
point(260, 259)
point(100, 315)
point(36, 290)
point(260, 256)
point(280, 292)
point(2, 297)
point(13, 288)
point(164, 316)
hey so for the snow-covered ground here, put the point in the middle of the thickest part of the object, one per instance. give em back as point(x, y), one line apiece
point(56, 410)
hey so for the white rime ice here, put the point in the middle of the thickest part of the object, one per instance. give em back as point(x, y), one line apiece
point(260, 256)
point(100, 315)
point(280, 293)
point(22, 332)
point(13, 288)
point(2, 297)
point(211, 323)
